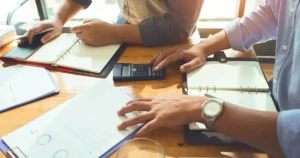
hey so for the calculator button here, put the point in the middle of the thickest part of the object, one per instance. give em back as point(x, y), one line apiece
point(133, 69)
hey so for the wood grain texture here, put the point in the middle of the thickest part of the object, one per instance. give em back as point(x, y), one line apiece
point(171, 139)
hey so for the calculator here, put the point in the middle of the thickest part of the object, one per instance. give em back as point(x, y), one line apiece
point(136, 72)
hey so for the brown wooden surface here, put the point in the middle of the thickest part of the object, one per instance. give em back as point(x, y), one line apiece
point(71, 85)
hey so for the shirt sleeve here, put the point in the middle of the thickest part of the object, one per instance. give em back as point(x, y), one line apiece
point(259, 25)
point(84, 3)
point(174, 26)
point(288, 130)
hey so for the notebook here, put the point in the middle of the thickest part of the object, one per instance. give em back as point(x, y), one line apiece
point(20, 85)
point(235, 80)
point(67, 53)
point(82, 127)
point(239, 82)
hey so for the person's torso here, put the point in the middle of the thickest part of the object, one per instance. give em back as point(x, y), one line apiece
point(135, 11)
point(286, 81)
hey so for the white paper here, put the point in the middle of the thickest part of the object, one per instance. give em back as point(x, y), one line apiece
point(88, 58)
point(83, 127)
point(7, 97)
point(49, 52)
point(80, 56)
point(233, 74)
point(23, 83)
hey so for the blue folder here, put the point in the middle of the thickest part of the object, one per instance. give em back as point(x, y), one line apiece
point(56, 91)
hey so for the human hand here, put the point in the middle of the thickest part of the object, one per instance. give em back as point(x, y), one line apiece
point(193, 55)
point(95, 32)
point(55, 24)
point(163, 111)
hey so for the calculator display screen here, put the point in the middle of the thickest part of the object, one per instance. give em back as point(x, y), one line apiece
point(125, 71)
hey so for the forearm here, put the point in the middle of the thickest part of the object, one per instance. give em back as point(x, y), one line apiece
point(214, 43)
point(67, 10)
point(126, 34)
point(255, 128)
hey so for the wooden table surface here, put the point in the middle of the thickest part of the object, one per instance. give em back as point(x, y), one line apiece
point(171, 139)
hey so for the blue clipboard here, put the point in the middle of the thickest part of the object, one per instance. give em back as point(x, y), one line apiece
point(5, 148)
point(56, 91)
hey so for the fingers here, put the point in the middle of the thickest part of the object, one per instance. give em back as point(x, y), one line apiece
point(169, 59)
point(150, 126)
point(90, 20)
point(142, 118)
point(37, 29)
point(48, 37)
point(196, 62)
point(159, 57)
point(80, 35)
point(140, 99)
point(150, 62)
point(77, 29)
point(135, 106)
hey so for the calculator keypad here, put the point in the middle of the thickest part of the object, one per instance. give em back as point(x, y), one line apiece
point(143, 70)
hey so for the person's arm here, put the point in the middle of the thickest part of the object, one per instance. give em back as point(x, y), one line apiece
point(271, 132)
point(255, 128)
point(174, 26)
point(277, 134)
point(71, 7)
point(66, 11)
point(259, 25)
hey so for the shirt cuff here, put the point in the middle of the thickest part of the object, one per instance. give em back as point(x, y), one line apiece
point(234, 35)
point(288, 130)
point(83, 3)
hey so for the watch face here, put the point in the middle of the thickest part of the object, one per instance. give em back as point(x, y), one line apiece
point(212, 109)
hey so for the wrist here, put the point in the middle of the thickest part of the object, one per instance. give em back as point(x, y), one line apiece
point(59, 21)
point(196, 110)
point(204, 47)
point(127, 34)
point(117, 32)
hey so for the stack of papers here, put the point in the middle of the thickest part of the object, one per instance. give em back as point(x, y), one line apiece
point(7, 34)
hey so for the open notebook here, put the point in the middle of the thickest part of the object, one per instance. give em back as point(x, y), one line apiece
point(83, 127)
point(65, 51)
point(239, 82)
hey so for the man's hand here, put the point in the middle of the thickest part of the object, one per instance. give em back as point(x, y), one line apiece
point(163, 111)
point(194, 56)
point(56, 24)
point(95, 33)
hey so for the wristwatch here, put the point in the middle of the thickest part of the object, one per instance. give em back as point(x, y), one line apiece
point(211, 110)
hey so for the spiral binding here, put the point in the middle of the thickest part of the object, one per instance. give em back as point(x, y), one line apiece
point(64, 53)
point(242, 89)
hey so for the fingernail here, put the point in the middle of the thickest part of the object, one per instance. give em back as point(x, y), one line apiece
point(182, 69)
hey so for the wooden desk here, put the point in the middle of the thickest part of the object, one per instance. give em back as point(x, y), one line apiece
point(71, 85)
